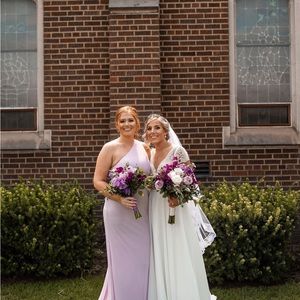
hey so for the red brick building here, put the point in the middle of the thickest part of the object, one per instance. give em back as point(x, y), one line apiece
point(225, 73)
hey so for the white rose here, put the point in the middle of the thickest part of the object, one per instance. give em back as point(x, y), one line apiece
point(176, 179)
point(178, 171)
point(131, 169)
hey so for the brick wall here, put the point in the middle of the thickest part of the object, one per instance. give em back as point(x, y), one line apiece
point(76, 94)
point(195, 94)
point(195, 78)
point(134, 60)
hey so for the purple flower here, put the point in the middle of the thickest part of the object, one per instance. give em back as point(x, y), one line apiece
point(119, 169)
point(127, 192)
point(176, 179)
point(126, 181)
point(188, 180)
point(158, 184)
point(119, 183)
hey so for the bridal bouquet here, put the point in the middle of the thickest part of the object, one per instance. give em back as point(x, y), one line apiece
point(177, 180)
point(127, 181)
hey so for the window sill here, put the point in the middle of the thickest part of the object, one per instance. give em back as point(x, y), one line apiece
point(133, 3)
point(261, 136)
point(20, 140)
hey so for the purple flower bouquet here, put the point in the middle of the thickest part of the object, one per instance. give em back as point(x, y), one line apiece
point(176, 180)
point(127, 181)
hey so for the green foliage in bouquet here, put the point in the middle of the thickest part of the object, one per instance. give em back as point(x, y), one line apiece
point(47, 230)
point(253, 224)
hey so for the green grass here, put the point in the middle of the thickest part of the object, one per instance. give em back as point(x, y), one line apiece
point(287, 291)
point(88, 288)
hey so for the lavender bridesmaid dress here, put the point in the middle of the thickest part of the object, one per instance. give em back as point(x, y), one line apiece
point(127, 240)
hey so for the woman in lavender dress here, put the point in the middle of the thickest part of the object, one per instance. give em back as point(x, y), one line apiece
point(127, 238)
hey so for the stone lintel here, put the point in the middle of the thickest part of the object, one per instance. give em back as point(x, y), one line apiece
point(133, 3)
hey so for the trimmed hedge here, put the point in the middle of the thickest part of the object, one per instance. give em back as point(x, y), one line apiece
point(253, 225)
point(47, 230)
point(50, 230)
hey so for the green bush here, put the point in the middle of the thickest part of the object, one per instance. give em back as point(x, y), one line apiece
point(253, 226)
point(47, 230)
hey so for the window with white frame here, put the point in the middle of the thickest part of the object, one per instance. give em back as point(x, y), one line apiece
point(22, 122)
point(18, 65)
point(263, 62)
point(264, 69)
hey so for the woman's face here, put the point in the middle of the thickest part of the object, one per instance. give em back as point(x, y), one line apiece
point(155, 132)
point(126, 124)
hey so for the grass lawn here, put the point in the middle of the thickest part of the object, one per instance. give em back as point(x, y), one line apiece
point(88, 288)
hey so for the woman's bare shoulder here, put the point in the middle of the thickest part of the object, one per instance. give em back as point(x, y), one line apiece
point(111, 145)
point(107, 152)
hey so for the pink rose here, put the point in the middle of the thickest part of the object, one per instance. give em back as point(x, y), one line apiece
point(158, 184)
point(188, 180)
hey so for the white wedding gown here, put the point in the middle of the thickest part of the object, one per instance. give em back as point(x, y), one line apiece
point(177, 270)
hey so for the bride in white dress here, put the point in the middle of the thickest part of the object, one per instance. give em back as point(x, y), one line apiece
point(177, 270)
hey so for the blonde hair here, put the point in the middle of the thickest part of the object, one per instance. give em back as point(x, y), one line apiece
point(164, 122)
point(131, 110)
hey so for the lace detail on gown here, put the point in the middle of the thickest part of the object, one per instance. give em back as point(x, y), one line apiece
point(181, 153)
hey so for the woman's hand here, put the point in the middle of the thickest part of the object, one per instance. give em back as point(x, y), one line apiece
point(128, 202)
point(173, 202)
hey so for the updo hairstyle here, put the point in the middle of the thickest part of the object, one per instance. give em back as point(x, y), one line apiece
point(164, 122)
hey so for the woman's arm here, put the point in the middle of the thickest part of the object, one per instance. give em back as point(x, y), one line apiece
point(147, 149)
point(103, 165)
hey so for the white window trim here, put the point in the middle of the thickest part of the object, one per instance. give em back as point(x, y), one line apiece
point(40, 139)
point(275, 135)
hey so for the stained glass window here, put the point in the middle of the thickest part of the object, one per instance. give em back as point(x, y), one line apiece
point(18, 62)
point(263, 59)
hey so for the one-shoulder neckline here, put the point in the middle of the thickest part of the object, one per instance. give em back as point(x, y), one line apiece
point(134, 142)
